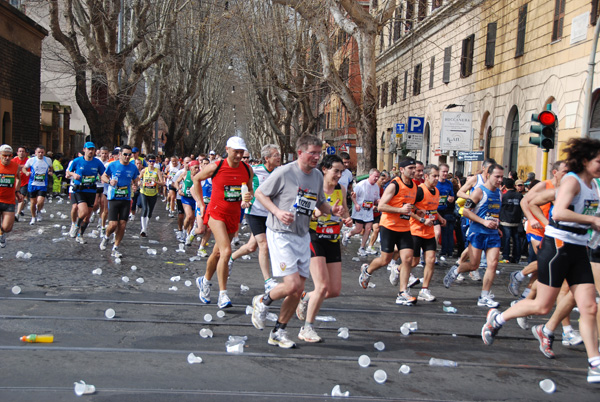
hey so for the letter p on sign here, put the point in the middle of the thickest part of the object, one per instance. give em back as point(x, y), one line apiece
point(416, 124)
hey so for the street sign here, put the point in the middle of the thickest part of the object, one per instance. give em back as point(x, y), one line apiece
point(344, 148)
point(416, 124)
point(359, 150)
point(456, 131)
point(414, 141)
point(474, 156)
point(400, 128)
point(330, 151)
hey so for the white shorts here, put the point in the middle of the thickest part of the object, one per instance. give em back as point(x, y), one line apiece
point(289, 253)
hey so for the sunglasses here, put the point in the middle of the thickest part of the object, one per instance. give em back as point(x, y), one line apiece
point(152, 161)
point(124, 154)
point(245, 157)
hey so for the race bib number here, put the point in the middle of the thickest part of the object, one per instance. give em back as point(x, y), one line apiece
point(443, 199)
point(306, 202)
point(150, 184)
point(39, 177)
point(492, 217)
point(232, 193)
point(122, 192)
point(367, 205)
point(87, 180)
point(188, 192)
point(590, 207)
point(7, 180)
point(206, 200)
point(328, 230)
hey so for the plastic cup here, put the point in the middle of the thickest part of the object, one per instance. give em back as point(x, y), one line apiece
point(140, 280)
point(220, 314)
point(193, 359)
point(413, 326)
point(447, 303)
point(207, 317)
point(404, 369)
point(548, 386)
point(165, 249)
point(380, 376)
point(237, 348)
point(109, 313)
point(133, 268)
point(188, 283)
point(206, 333)
point(16, 290)
point(405, 330)
point(364, 361)
point(380, 346)
point(97, 271)
point(117, 260)
point(125, 279)
point(81, 388)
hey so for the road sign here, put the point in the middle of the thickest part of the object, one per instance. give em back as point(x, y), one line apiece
point(330, 151)
point(416, 124)
point(473, 156)
point(414, 141)
point(344, 148)
point(400, 128)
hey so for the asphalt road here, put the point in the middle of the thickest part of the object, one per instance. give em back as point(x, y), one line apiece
point(141, 354)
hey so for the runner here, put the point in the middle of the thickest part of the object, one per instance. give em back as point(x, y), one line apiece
point(171, 171)
point(21, 159)
point(151, 180)
point(184, 185)
point(563, 254)
point(120, 175)
point(38, 167)
point(10, 176)
point(201, 228)
point(85, 172)
point(384, 178)
point(223, 213)
point(290, 195)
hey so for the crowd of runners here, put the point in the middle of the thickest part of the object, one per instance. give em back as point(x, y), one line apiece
point(303, 214)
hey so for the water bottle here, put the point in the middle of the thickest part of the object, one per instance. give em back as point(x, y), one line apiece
point(594, 240)
point(33, 338)
point(292, 210)
point(244, 189)
point(442, 362)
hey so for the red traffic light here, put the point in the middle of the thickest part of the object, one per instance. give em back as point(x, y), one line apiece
point(547, 118)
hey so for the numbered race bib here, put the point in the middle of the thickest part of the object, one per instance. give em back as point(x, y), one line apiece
point(233, 193)
point(122, 192)
point(432, 215)
point(443, 199)
point(7, 180)
point(206, 200)
point(39, 177)
point(590, 207)
point(150, 184)
point(367, 205)
point(328, 230)
point(306, 202)
point(492, 217)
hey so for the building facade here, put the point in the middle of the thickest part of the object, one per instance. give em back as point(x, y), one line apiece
point(498, 62)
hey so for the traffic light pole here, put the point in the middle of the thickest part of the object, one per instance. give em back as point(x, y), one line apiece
point(544, 163)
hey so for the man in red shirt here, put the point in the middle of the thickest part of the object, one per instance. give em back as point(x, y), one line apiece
point(21, 159)
point(9, 183)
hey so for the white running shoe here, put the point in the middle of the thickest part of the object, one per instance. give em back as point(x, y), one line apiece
point(394, 276)
point(474, 275)
point(308, 334)
point(412, 281)
point(371, 250)
point(115, 253)
point(224, 301)
point(32, 222)
point(259, 312)
point(79, 239)
point(103, 243)
point(571, 338)
point(361, 251)
point(204, 286)
point(425, 295)
point(487, 301)
point(345, 239)
point(73, 231)
point(280, 338)
point(202, 252)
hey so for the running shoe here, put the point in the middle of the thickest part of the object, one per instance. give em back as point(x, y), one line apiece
point(345, 239)
point(270, 284)
point(593, 374)
point(460, 278)
point(425, 295)
point(280, 338)
point(491, 327)
point(202, 252)
point(38, 218)
point(420, 264)
point(259, 313)
point(371, 250)
point(301, 308)
point(16, 217)
point(230, 266)
point(451, 276)
point(115, 253)
point(504, 261)
point(73, 230)
point(364, 277)
point(308, 334)
point(224, 301)
point(514, 284)
point(362, 252)
point(394, 276)
point(523, 322)
point(204, 286)
point(391, 265)
point(412, 281)
point(405, 299)
point(235, 241)
point(79, 239)
point(143, 234)
point(545, 341)
point(474, 275)
point(2, 240)
point(190, 239)
point(571, 338)
point(103, 243)
point(32, 222)
point(487, 301)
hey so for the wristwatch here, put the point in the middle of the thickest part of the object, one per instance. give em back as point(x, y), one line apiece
point(422, 220)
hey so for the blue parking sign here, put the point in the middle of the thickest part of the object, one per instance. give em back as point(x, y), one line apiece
point(416, 124)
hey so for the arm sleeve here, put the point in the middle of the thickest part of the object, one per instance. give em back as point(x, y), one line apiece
point(420, 195)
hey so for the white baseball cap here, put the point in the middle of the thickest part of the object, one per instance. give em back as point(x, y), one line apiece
point(236, 143)
point(212, 153)
point(6, 148)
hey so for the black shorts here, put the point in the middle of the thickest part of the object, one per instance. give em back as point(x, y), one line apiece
point(88, 198)
point(118, 210)
point(23, 190)
point(594, 254)
point(37, 193)
point(376, 219)
point(325, 248)
point(180, 210)
point(558, 261)
point(361, 221)
point(423, 244)
point(4, 207)
point(258, 224)
point(171, 188)
point(391, 239)
point(99, 190)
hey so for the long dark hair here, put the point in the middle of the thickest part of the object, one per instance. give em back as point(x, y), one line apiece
point(579, 150)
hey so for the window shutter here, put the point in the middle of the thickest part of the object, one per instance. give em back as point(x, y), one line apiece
point(405, 85)
point(466, 59)
point(490, 45)
point(417, 79)
point(431, 71)
point(447, 59)
point(521, 31)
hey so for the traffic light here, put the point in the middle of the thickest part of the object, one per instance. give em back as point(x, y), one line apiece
point(546, 129)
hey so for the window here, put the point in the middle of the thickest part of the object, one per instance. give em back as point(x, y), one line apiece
point(466, 59)
point(381, 41)
point(431, 71)
point(384, 94)
point(559, 18)
point(521, 31)
point(405, 85)
point(410, 14)
point(594, 13)
point(394, 94)
point(417, 79)
point(390, 33)
point(398, 24)
point(436, 4)
point(422, 13)
point(377, 96)
point(447, 59)
point(490, 44)
point(344, 70)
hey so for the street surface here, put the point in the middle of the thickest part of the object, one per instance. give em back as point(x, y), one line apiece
point(141, 354)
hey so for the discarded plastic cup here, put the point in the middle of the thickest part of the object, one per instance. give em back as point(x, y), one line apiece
point(173, 288)
point(272, 317)
point(81, 388)
point(244, 289)
point(364, 361)
point(380, 376)
point(235, 344)
point(220, 314)
point(27, 256)
point(548, 386)
point(207, 317)
point(413, 326)
point(181, 247)
point(140, 280)
point(97, 271)
point(447, 303)
point(405, 330)
point(450, 309)
point(404, 369)
point(325, 318)
point(151, 251)
point(343, 333)
point(165, 249)
point(16, 290)
point(158, 218)
point(380, 346)
point(40, 231)
point(355, 259)
point(237, 348)
point(117, 260)
point(336, 391)
point(175, 278)
point(133, 268)
point(188, 283)
point(20, 254)
point(372, 285)
point(246, 257)
point(193, 359)
point(206, 333)
point(442, 362)
point(109, 313)
point(125, 279)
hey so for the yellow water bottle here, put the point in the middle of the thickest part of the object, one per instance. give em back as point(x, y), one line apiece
point(33, 338)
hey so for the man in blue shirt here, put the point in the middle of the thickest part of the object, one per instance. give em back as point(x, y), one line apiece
point(446, 190)
point(120, 175)
point(85, 171)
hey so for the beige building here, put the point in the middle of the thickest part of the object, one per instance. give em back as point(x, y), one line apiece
point(498, 61)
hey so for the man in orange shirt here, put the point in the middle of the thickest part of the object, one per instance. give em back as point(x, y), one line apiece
point(21, 159)
point(10, 178)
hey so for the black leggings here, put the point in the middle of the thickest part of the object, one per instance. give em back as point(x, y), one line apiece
point(148, 203)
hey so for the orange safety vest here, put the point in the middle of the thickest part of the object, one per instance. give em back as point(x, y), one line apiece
point(405, 195)
point(545, 210)
point(429, 204)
